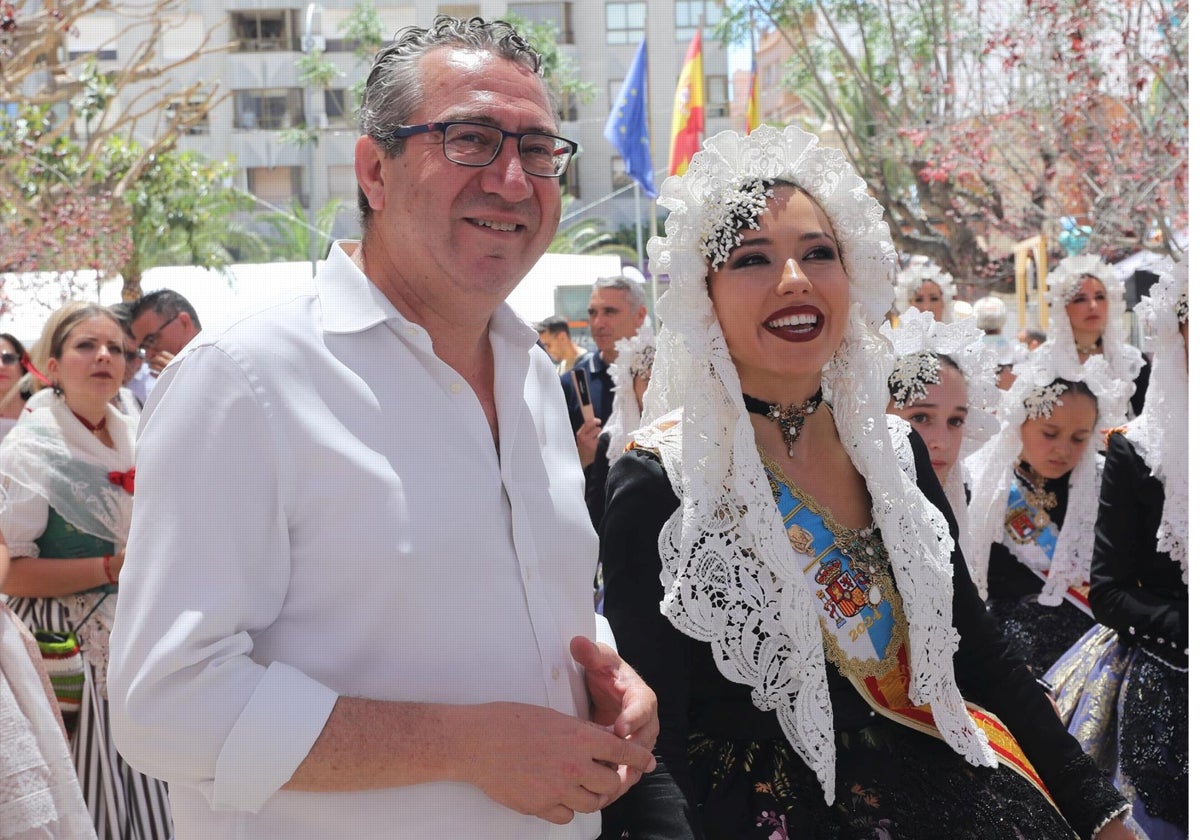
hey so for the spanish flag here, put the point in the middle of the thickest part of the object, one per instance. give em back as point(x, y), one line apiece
point(752, 118)
point(687, 115)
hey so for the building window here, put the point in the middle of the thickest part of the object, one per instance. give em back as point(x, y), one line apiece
point(568, 108)
point(687, 18)
point(716, 96)
point(335, 108)
point(277, 185)
point(459, 10)
point(343, 184)
point(265, 31)
point(558, 14)
point(189, 109)
point(569, 180)
point(625, 22)
point(619, 178)
point(269, 108)
point(95, 36)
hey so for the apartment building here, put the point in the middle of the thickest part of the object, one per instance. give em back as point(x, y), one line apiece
point(265, 95)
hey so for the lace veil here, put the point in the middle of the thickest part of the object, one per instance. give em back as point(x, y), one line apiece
point(1123, 358)
point(729, 573)
point(635, 357)
point(991, 470)
point(917, 333)
point(1160, 433)
point(920, 270)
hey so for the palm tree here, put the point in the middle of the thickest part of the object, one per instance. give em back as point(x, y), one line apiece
point(589, 236)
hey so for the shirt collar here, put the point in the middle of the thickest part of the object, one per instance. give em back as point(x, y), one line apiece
point(350, 302)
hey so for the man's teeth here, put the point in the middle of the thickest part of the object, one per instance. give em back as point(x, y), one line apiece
point(793, 321)
point(495, 225)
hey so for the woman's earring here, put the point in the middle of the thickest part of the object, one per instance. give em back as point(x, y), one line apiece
point(57, 389)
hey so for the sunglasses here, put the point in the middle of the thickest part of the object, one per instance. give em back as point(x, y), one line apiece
point(7, 359)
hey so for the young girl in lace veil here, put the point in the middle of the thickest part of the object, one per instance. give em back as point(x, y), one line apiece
point(944, 385)
point(1034, 490)
point(1123, 687)
point(777, 557)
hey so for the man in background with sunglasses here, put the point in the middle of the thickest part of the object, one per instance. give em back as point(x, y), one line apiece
point(162, 324)
point(357, 596)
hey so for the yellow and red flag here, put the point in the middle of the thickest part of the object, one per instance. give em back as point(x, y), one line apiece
point(752, 118)
point(687, 115)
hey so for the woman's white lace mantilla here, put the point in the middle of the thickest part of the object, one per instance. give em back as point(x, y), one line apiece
point(635, 359)
point(1160, 434)
point(991, 470)
point(921, 270)
point(728, 569)
point(1124, 359)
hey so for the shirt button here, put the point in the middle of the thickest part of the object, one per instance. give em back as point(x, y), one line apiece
point(554, 673)
point(414, 332)
point(529, 573)
point(456, 388)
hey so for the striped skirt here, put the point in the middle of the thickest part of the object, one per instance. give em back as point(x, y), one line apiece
point(124, 804)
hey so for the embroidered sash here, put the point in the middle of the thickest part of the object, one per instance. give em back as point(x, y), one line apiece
point(1034, 547)
point(863, 624)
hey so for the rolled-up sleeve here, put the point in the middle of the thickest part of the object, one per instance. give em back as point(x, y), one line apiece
point(207, 568)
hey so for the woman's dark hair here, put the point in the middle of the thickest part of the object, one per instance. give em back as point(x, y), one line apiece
point(1080, 388)
point(17, 346)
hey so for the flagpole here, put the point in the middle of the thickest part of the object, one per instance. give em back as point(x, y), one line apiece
point(651, 223)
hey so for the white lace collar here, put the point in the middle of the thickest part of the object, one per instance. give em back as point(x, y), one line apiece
point(1160, 434)
point(727, 537)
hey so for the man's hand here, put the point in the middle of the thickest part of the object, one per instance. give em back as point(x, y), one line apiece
point(541, 762)
point(586, 440)
point(621, 700)
point(159, 361)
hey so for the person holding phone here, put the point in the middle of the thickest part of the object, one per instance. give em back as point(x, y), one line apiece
point(616, 311)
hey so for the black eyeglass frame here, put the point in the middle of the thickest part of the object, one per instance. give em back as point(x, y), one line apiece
point(403, 131)
point(7, 359)
point(151, 338)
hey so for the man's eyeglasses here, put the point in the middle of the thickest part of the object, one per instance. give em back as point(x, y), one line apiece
point(132, 355)
point(152, 338)
point(478, 144)
point(7, 359)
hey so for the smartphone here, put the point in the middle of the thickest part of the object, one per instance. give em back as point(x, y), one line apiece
point(579, 375)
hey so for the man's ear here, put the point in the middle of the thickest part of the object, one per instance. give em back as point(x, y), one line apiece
point(369, 161)
point(641, 317)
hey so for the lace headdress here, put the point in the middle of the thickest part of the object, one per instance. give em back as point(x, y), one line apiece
point(1034, 394)
point(1160, 433)
point(729, 573)
point(917, 340)
point(1063, 283)
point(922, 270)
point(635, 359)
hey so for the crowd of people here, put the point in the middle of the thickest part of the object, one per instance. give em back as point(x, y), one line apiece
point(815, 559)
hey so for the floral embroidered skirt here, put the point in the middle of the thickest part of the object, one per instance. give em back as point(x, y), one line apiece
point(1129, 712)
point(892, 784)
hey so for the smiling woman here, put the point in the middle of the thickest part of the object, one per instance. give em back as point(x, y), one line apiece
point(775, 548)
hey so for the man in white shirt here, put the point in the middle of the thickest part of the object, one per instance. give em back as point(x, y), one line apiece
point(357, 596)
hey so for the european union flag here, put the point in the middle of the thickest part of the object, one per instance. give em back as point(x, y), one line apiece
point(627, 128)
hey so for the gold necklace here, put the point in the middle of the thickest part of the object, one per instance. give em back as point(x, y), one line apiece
point(1089, 349)
point(1040, 500)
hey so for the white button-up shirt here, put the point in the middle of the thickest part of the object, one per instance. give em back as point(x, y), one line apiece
point(321, 511)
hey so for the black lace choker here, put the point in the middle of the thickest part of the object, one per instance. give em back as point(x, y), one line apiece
point(790, 419)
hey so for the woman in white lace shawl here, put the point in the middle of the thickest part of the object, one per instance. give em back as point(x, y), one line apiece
point(776, 552)
point(1086, 302)
point(67, 471)
point(1124, 687)
point(925, 287)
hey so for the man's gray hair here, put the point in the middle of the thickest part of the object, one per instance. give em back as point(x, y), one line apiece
point(990, 313)
point(637, 297)
point(394, 89)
